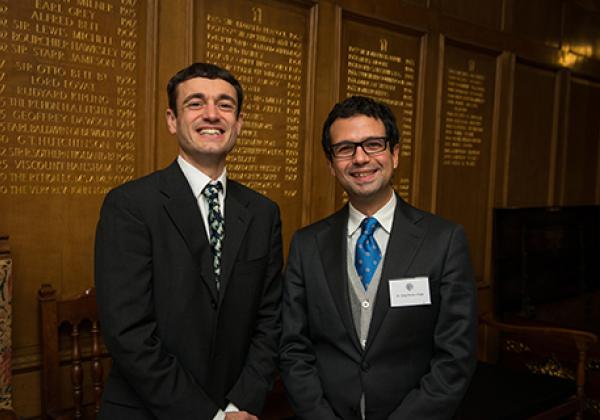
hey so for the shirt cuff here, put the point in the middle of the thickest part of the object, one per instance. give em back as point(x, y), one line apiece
point(229, 409)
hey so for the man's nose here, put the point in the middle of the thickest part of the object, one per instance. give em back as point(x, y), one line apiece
point(360, 156)
point(210, 111)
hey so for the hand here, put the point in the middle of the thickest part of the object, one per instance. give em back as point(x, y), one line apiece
point(239, 415)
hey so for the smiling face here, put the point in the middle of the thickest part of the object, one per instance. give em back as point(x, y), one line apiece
point(206, 124)
point(366, 178)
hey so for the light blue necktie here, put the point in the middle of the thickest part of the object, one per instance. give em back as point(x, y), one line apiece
point(367, 254)
point(216, 226)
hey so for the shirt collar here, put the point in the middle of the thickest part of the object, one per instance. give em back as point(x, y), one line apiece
point(385, 216)
point(198, 179)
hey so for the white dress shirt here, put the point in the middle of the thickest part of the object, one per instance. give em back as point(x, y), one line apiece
point(385, 217)
point(198, 180)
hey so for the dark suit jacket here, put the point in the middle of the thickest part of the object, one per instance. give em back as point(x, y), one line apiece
point(181, 349)
point(418, 359)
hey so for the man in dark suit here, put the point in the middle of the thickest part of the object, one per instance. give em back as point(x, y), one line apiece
point(188, 272)
point(379, 301)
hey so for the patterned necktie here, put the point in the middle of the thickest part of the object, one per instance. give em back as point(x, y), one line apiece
point(367, 254)
point(216, 226)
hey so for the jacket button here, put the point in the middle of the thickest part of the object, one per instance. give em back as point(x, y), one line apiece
point(213, 304)
point(365, 366)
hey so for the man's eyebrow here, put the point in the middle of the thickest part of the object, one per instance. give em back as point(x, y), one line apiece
point(227, 97)
point(361, 140)
point(199, 95)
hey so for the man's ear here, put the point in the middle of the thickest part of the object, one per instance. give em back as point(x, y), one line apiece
point(239, 123)
point(331, 169)
point(171, 121)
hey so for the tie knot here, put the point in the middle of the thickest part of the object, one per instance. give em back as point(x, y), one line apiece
point(368, 225)
point(212, 190)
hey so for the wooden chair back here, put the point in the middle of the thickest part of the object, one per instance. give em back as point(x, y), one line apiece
point(8, 414)
point(77, 316)
point(548, 350)
point(544, 388)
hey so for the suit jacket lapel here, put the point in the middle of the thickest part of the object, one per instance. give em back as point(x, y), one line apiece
point(403, 244)
point(182, 208)
point(237, 220)
point(332, 243)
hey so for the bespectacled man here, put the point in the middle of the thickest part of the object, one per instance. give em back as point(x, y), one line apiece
point(379, 304)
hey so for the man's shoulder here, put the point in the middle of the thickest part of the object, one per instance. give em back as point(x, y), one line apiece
point(422, 217)
point(432, 227)
point(151, 188)
point(137, 186)
point(249, 196)
point(337, 219)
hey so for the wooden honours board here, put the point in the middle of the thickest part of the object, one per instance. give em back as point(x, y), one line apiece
point(72, 100)
point(70, 87)
point(467, 116)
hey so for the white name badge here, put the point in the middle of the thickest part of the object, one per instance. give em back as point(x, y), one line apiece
point(410, 292)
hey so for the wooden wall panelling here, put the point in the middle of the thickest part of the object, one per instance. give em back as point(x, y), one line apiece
point(502, 64)
point(503, 151)
point(311, 143)
point(431, 149)
point(582, 143)
point(535, 20)
point(581, 35)
point(419, 117)
point(534, 136)
point(421, 3)
point(562, 140)
point(557, 130)
point(384, 62)
point(580, 42)
point(266, 44)
point(469, 118)
point(489, 14)
point(427, 124)
point(396, 12)
point(147, 102)
point(328, 44)
point(77, 81)
point(174, 44)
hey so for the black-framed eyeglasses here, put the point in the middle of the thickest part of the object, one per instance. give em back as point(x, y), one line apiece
point(347, 149)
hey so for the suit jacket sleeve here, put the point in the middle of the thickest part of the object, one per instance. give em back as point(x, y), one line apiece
point(443, 387)
point(123, 269)
point(297, 358)
point(258, 374)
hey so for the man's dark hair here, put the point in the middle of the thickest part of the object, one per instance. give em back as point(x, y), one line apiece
point(361, 105)
point(208, 71)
